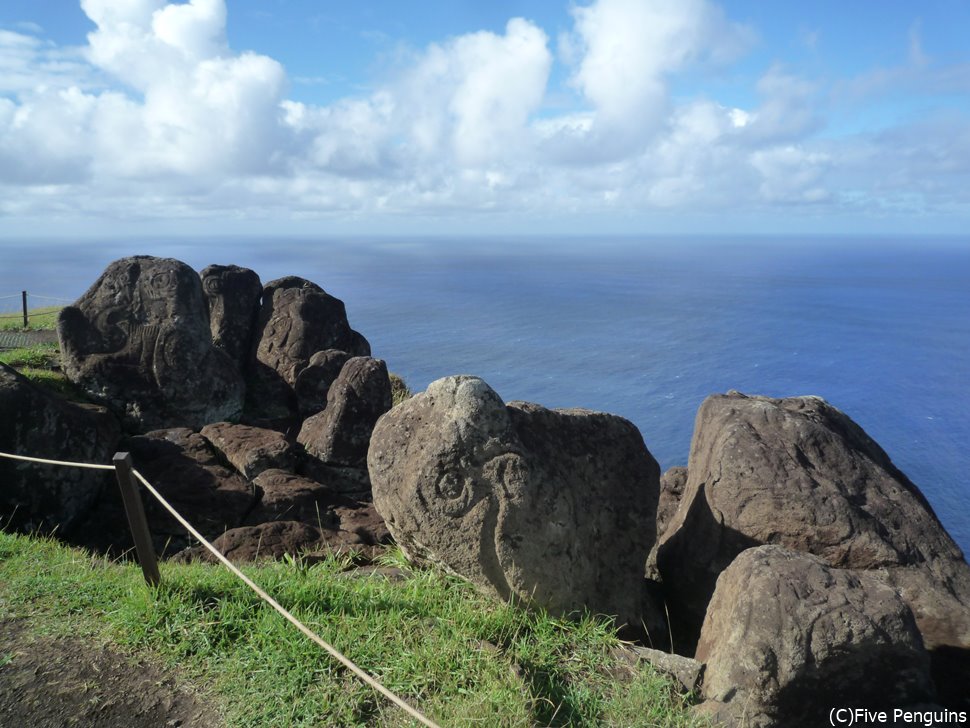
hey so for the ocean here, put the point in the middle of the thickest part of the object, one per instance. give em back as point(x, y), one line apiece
point(641, 327)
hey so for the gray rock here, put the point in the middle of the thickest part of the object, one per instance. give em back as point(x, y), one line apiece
point(313, 382)
point(139, 341)
point(686, 671)
point(553, 508)
point(250, 450)
point(232, 295)
point(787, 638)
point(341, 433)
point(38, 424)
point(296, 320)
point(672, 485)
point(799, 473)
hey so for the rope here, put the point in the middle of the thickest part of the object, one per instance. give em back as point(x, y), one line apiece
point(90, 466)
point(334, 652)
point(13, 295)
point(49, 298)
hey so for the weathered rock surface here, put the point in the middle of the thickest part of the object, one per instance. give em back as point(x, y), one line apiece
point(232, 294)
point(672, 485)
point(35, 423)
point(286, 496)
point(687, 671)
point(182, 466)
point(271, 540)
point(139, 341)
point(341, 433)
point(550, 507)
point(250, 450)
point(787, 638)
point(296, 320)
point(313, 382)
point(799, 473)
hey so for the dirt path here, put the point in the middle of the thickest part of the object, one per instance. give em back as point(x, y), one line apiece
point(20, 339)
point(55, 683)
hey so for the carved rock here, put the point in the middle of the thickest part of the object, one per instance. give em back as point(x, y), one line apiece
point(296, 320)
point(341, 433)
point(550, 507)
point(788, 638)
point(232, 295)
point(139, 341)
point(799, 473)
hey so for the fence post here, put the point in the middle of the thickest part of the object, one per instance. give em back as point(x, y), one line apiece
point(23, 295)
point(136, 518)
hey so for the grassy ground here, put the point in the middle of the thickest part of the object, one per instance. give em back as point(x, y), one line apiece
point(38, 318)
point(455, 655)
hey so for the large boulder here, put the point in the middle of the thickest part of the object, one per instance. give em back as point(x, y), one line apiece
point(341, 433)
point(250, 450)
point(296, 320)
point(35, 497)
point(799, 473)
point(553, 508)
point(232, 295)
point(788, 638)
point(313, 382)
point(139, 341)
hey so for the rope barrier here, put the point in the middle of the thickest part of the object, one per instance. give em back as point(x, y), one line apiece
point(333, 651)
point(50, 298)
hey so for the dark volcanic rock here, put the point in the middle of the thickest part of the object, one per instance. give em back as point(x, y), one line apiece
point(313, 383)
point(297, 319)
point(341, 433)
point(799, 473)
point(232, 295)
point(787, 638)
point(250, 450)
point(672, 485)
point(285, 496)
point(139, 341)
point(266, 541)
point(182, 466)
point(37, 424)
point(551, 507)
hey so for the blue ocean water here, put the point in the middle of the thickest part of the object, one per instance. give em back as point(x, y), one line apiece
point(645, 328)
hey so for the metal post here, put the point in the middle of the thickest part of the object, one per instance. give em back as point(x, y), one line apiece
point(136, 518)
point(23, 295)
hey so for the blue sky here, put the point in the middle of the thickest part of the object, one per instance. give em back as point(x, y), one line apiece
point(610, 116)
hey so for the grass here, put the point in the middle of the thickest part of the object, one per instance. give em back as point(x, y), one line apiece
point(38, 319)
point(38, 356)
point(459, 657)
point(400, 392)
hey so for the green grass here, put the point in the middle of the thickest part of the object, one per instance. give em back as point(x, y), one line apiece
point(38, 356)
point(400, 392)
point(38, 319)
point(459, 657)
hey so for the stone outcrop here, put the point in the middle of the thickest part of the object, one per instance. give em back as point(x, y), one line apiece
point(787, 638)
point(672, 485)
point(139, 341)
point(341, 433)
point(297, 319)
point(232, 295)
point(799, 473)
point(313, 382)
point(250, 450)
point(42, 498)
point(549, 507)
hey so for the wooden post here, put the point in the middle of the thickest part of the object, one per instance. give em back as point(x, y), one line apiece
point(23, 295)
point(136, 518)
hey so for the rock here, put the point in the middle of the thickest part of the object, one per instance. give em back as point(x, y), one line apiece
point(348, 481)
point(250, 450)
point(139, 341)
point(685, 670)
point(672, 484)
point(341, 433)
point(787, 638)
point(296, 320)
point(251, 543)
point(553, 508)
point(182, 466)
point(285, 496)
point(232, 295)
point(799, 473)
point(313, 382)
point(35, 497)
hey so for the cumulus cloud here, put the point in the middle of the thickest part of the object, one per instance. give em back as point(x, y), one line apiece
point(159, 117)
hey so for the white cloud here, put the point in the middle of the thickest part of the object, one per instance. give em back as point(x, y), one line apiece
point(158, 117)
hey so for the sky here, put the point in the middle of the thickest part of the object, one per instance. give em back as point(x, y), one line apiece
point(459, 117)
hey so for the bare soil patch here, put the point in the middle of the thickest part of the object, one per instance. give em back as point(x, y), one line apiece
point(48, 683)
